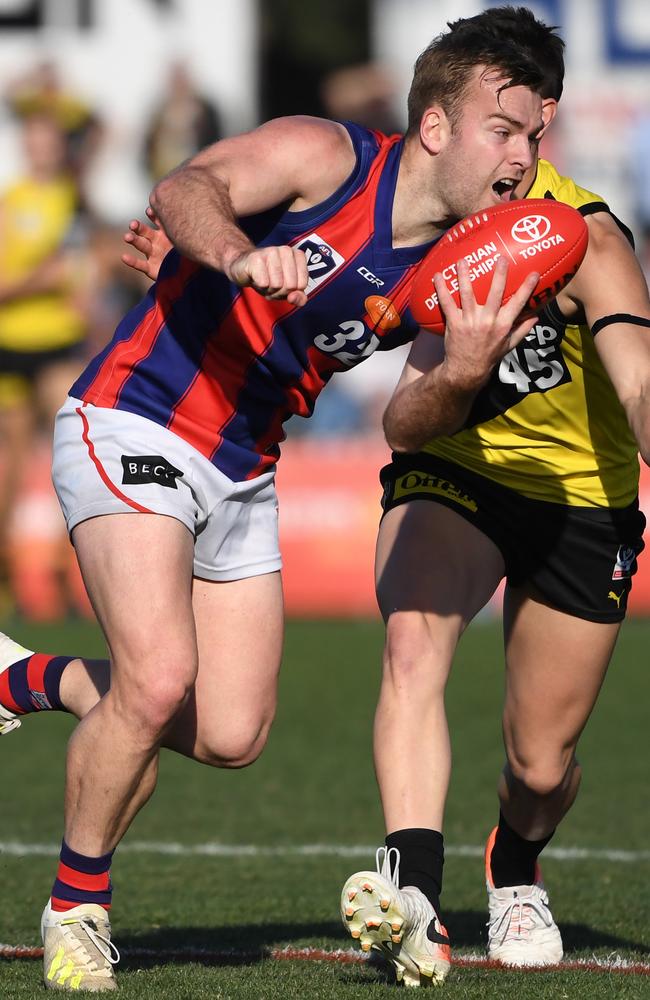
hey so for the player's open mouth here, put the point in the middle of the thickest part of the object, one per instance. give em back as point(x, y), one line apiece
point(504, 188)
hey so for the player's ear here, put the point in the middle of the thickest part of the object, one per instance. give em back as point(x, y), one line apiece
point(549, 111)
point(434, 129)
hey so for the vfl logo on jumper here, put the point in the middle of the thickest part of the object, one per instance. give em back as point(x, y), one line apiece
point(414, 484)
point(140, 469)
point(624, 563)
point(322, 260)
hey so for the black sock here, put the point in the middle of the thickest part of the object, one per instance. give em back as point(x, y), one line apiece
point(421, 859)
point(513, 859)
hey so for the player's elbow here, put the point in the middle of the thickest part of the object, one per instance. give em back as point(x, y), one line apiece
point(175, 187)
point(401, 438)
point(396, 442)
point(397, 433)
point(162, 194)
point(401, 446)
point(637, 410)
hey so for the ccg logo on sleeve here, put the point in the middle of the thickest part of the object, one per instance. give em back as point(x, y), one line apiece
point(322, 260)
point(139, 469)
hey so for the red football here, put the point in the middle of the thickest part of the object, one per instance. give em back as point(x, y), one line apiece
point(535, 234)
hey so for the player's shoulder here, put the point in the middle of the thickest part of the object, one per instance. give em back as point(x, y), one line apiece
point(603, 224)
point(314, 135)
point(317, 147)
point(325, 137)
point(325, 155)
point(550, 183)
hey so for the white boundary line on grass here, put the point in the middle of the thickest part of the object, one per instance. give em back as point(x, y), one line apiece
point(217, 850)
point(611, 964)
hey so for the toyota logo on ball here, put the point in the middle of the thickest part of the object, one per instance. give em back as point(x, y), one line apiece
point(530, 229)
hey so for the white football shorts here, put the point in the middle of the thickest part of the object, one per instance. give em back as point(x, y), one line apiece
point(108, 461)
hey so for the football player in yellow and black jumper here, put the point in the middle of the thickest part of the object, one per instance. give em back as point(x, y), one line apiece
point(524, 471)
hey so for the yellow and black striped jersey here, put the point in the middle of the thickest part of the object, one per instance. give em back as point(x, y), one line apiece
point(549, 424)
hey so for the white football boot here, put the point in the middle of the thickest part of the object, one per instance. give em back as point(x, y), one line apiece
point(400, 923)
point(10, 652)
point(521, 929)
point(78, 953)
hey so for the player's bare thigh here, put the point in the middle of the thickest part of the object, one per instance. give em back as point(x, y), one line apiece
point(434, 573)
point(555, 666)
point(137, 569)
point(430, 560)
point(239, 628)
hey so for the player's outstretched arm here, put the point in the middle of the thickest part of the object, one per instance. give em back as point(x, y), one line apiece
point(611, 290)
point(296, 162)
point(150, 241)
point(441, 378)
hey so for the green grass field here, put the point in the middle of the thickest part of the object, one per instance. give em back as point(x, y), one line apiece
point(193, 923)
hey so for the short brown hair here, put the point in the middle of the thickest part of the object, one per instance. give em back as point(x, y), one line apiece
point(541, 41)
point(443, 71)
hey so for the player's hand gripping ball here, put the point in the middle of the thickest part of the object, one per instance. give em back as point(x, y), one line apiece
point(535, 234)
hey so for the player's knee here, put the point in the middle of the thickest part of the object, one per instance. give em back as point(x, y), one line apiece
point(542, 777)
point(152, 702)
point(238, 747)
point(410, 656)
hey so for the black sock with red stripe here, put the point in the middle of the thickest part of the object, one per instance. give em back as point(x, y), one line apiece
point(80, 879)
point(32, 684)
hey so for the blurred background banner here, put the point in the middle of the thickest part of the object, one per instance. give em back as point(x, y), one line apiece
point(329, 511)
point(99, 98)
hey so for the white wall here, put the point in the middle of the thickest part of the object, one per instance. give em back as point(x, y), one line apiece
point(607, 83)
point(119, 65)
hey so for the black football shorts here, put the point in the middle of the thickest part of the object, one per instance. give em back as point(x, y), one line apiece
point(580, 560)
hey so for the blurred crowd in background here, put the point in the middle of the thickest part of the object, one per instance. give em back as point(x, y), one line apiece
point(62, 290)
point(63, 287)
